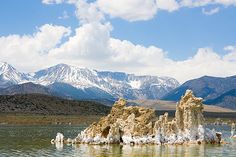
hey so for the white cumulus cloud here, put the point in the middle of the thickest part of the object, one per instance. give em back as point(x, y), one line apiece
point(211, 11)
point(131, 10)
point(136, 10)
point(92, 46)
point(226, 2)
point(169, 5)
point(52, 1)
point(89, 42)
point(204, 62)
point(87, 12)
point(231, 56)
point(25, 51)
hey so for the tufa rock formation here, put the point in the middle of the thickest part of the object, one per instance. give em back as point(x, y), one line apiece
point(139, 125)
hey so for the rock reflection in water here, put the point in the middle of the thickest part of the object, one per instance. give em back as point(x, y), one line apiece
point(137, 150)
point(59, 146)
point(24, 141)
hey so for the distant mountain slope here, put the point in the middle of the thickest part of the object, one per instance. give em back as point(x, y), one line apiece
point(43, 104)
point(161, 105)
point(131, 86)
point(209, 88)
point(68, 91)
point(227, 99)
point(27, 88)
point(58, 89)
point(84, 83)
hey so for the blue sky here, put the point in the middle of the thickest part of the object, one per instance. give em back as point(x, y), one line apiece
point(179, 33)
point(18, 18)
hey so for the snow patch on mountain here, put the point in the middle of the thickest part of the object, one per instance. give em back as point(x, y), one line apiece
point(135, 84)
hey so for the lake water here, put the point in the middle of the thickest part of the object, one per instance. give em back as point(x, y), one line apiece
point(35, 141)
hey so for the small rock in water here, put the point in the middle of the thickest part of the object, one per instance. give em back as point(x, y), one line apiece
point(52, 141)
point(233, 130)
point(59, 137)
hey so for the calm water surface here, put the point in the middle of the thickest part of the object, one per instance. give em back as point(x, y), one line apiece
point(35, 141)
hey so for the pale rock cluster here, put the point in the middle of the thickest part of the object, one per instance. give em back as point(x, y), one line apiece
point(58, 141)
point(139, 125)
point(59, 138)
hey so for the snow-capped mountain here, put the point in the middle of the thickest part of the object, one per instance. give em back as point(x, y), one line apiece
point(10, 76)
point(75, 76)
point(137, 87)
point(76, 82)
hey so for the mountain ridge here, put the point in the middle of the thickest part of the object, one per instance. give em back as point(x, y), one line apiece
point(97, 84)
point(213, 90)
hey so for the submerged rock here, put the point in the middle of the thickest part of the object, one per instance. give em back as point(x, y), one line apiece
point(139, 125)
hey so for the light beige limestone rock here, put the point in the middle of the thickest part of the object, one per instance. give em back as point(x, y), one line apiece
point(139, 125)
